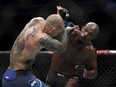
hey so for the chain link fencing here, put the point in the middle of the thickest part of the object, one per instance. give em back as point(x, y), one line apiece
point(106, 68)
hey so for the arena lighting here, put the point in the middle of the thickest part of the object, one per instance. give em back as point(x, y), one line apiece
point(106, 52)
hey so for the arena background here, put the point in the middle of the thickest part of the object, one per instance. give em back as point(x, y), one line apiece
point(14, 14)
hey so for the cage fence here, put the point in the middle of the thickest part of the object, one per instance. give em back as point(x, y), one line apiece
point(106, 60)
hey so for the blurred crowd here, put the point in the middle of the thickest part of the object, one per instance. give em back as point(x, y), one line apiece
point(15, 14)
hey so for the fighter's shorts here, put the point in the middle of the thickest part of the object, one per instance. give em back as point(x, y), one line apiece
point(20, 78)
point(56, 79)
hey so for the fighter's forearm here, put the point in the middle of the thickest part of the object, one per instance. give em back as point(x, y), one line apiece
point(63, 38)
point(54, 44)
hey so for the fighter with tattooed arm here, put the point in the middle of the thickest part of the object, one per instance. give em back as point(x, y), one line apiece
point(37, 34)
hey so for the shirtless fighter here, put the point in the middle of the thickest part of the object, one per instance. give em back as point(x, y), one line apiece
point(37, 34)
point(79, 59)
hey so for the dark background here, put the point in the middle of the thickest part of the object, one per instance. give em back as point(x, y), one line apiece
point(14, 14)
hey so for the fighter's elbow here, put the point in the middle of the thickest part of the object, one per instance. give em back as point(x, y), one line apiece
point(61, 49)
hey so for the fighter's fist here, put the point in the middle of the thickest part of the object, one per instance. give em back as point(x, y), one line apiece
point(81, 71)
point(71, 27)
point(64, 13)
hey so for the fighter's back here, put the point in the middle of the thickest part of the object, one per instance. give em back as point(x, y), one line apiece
point(26, 46)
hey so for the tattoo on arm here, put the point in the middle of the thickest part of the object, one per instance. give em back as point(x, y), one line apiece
point(32, 33)
point(17, 49)
point(51, 44)
point(63, 38)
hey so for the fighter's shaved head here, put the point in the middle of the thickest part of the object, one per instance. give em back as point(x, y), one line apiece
point(55, 19)
point(93, 26)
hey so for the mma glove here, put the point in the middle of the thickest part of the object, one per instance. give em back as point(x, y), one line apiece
point(81, 72)
point(64, 13)
point(69, 27)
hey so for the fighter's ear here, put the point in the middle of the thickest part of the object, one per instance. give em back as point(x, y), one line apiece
point(53, 28)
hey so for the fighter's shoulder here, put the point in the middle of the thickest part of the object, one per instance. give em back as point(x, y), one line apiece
point(34, 21)
point(37, 19)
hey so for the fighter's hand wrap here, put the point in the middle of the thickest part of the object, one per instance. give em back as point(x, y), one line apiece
point(81, 72)
point(69, 27)
point(64, 13)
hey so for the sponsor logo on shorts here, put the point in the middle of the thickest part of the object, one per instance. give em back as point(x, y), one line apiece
point(33, 83)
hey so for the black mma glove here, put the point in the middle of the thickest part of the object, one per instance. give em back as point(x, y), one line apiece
point(69, 27)
point(65, 15)
point(81, 71)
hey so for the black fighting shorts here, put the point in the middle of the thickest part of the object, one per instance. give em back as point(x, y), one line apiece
point(56, 79)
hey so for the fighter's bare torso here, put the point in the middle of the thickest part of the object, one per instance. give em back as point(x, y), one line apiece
point(26, 46)
point(77, 54)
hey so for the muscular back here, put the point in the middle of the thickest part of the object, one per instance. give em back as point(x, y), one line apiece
point(26, 46)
